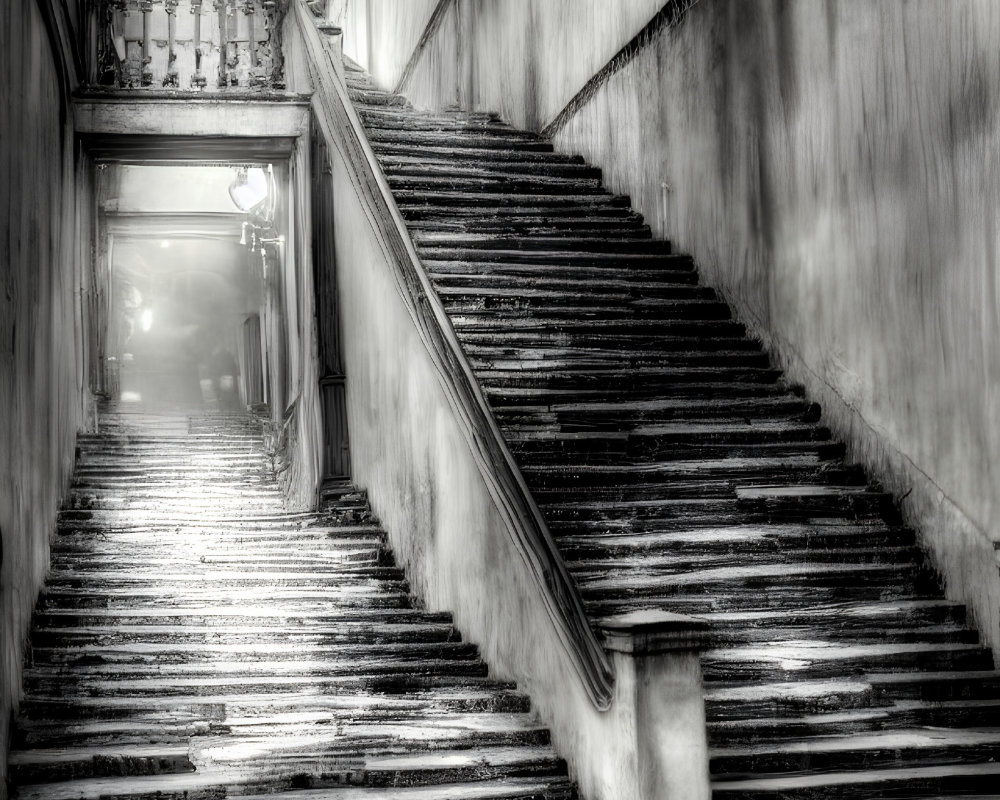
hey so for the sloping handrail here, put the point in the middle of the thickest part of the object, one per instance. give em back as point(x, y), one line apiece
point(341, 127)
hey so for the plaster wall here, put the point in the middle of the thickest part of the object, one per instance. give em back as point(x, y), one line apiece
point(305, 456)
point(523, 59)
point(410, 454)
point(43, 396)
point(403, 23)
point(833, 167)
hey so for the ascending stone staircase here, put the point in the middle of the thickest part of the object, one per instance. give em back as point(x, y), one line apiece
point(678, 471)
point(194, 641)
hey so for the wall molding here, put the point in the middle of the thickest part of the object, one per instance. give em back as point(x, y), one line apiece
point(64, 43)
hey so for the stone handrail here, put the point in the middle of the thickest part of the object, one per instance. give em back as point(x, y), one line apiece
point(343, 130)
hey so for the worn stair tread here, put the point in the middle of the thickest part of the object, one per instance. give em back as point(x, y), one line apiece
point(189, 620)
point(910, 739)
point(501, 789)
point(854, 779)
point(243, 772)
point(57, 755)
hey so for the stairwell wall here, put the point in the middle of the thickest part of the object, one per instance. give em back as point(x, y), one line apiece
point(411, 452)
point(43, 278)
point(833, 167)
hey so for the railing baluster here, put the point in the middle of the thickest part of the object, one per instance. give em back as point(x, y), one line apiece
point(146, 79)
point(124, 56)
point(198, 80)
point(222, 7)
point(171, 8)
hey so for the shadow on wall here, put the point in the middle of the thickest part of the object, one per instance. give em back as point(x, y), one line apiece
point(834, 167)
point(45, 297)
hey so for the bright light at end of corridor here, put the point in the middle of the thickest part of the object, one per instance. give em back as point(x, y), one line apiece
point(147, 319)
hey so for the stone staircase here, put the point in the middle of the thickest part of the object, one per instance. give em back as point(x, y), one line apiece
point(194, 640)
point(677, 470)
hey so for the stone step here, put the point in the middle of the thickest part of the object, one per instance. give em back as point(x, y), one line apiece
point(483, 324)
point(333, 775)
point(444, 202)
point(64, 764)
point(119, 634)
point(442, 166)
point(487, 702)
point(486, 244)
point(518, 142)
point(698, 386)
point(375, 97)
point(490, 285)
point(603, 540)
point(729, 702)
point(589, 227)
point(464, 152)
point(821, 658)
point(748, 598)
point(863, 752)
point(457, 124)
point(876, 784)
point(539, 363)
point(501, 209)
point(505, 184)
point(735, 588)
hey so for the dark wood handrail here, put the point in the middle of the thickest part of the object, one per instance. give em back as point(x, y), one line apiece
point(342, 129)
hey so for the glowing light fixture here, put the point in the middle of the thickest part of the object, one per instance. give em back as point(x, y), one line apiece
point(249, 189)
point(164, 243)
point(146, 320)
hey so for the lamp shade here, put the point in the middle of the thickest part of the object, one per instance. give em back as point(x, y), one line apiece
point(249, 189)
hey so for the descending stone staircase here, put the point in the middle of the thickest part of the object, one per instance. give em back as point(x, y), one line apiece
point(194, 640)
point(677, 470)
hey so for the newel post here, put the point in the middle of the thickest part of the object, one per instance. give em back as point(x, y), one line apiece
point(658, 679)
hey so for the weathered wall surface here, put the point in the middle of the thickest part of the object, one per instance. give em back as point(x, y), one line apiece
point(833, 167)
point(521, 58)
point(408, 451)
point(403, 23)
point(305, 467)
point(42, 382)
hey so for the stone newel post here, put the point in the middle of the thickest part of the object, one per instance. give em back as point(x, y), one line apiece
point(658, 675)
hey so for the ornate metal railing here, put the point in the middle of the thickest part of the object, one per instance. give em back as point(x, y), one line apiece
point(196, 45)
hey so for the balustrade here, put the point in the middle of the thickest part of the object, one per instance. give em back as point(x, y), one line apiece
point(194, 45)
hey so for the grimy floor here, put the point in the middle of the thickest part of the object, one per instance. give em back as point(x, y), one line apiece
point(194, 640)
point(678, 470)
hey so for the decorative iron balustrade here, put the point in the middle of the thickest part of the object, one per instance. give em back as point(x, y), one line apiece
point(197, 45)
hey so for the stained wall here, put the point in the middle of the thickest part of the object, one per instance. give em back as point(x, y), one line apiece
point(43, 300)
point(833, 167)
